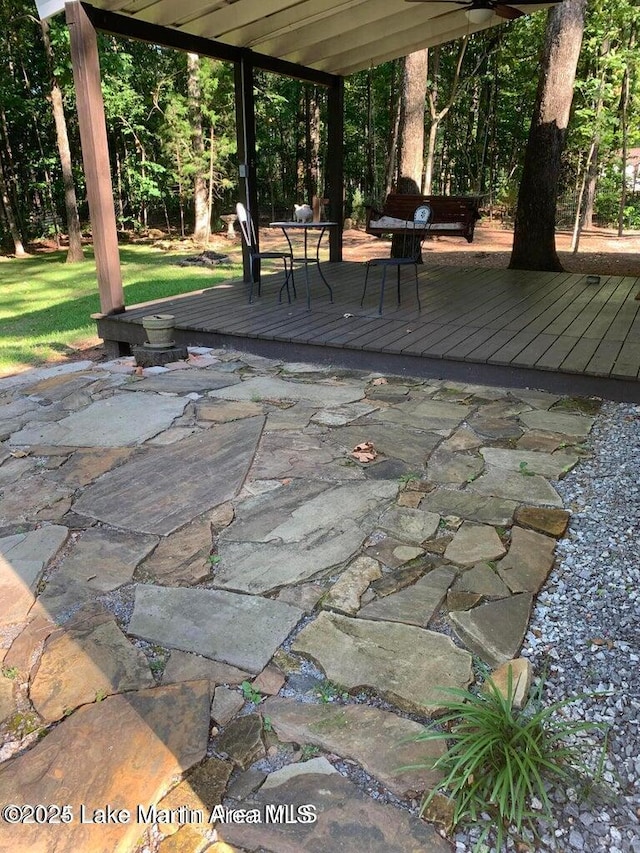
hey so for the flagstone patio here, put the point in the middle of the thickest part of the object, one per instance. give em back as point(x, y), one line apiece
point(166, 539)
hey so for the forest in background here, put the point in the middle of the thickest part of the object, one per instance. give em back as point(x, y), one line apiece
point(171, 126)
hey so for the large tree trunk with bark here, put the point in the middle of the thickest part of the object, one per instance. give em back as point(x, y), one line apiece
point(414, 94)
point(200, 195)
point(534, 237)
point(75, 252)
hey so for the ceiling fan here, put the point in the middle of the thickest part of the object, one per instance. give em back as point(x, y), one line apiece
point(479, 11)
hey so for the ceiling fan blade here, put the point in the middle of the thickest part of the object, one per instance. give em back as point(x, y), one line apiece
point(507, 12)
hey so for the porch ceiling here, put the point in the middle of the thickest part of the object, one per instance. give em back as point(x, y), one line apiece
point(334, 36)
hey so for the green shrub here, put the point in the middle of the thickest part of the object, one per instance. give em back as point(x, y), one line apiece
point(500, 759)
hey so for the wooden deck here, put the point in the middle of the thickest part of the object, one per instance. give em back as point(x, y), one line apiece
point(545, 330)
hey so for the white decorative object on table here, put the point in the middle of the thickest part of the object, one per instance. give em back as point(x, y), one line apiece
point(302, 213)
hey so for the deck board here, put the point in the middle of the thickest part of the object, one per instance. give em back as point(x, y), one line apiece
point(552, 323)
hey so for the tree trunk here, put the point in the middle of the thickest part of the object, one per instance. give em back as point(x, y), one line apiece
point(624, 132)
point(200, 196)
point(75, 252)
point(534, 235)
point(414, 93)
point(11, 219)
point(395, 105)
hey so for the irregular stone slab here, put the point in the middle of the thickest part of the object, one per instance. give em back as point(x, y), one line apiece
point(356, 732)
point(257, 516)
point(118, 421)
point(305, 595)
point(484, 581)
point(410, 525)
point(494, 631)
point(182, 557)
point(85, 466)
point(474, 543)
point(14, 470)
point(159, 492)
point(457, 468)
point(202, 788)
point(547, 442)
point(296, 417)
point(272, 388)
point(183, 382)
point(24, 650)
point(547, 464)
point(520, 672)
point(242, 741)
point(398, 579)
point(465, 504)
point(462, 439)
point(241, 630)
point(546, 520)
point(284, 455)
point(512, 485)
point(348, 820)
point(342, 415)
point(344, 596)
point(393, 442)
point(186, 840)
point(578, 426)
point(392, 552)
point(23, 557)
point(103, 559)
point(221, 411)
point(83, 665)
point(428, 414)
point(8, 705)
point(461, 600)
point(385, 657)
point(415, 605)
point(529, 561)
point(320, 533)
point(226, 704)
point(537, 399)
point(183, 666)
point(495, 427)
point(55, 388)
point(270, 681)
point(31, 376)
point(123, 772)
point(33, 495)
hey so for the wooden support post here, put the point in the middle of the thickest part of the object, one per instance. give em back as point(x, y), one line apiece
point(335, 164)
point(95, 156)
point(246, 140)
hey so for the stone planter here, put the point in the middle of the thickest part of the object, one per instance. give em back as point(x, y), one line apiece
point(159, 329)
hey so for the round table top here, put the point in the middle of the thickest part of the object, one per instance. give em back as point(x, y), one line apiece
point(302, 224)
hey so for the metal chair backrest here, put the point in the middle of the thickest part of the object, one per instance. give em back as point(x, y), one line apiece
point(415, 232)
point(246, 226)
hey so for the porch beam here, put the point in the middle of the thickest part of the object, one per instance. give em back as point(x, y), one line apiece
point(246, 141)
point(95, 156)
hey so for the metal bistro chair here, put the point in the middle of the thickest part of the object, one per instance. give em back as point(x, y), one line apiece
point(255, 256)
point(412, 239)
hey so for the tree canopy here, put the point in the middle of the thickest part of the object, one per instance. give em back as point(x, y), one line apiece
point(480, 95)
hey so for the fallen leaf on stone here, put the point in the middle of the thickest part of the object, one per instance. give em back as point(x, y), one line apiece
point(364, 452)
point(139, 370)
point(379, 381)
point(19, 454)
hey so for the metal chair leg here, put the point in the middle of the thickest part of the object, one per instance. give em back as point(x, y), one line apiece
point(364, 290)
point(384, 276)
point(398, 276)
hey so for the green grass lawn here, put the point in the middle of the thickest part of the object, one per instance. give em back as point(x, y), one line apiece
point(46, 304)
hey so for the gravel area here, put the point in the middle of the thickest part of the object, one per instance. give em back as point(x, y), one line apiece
point(585, 632)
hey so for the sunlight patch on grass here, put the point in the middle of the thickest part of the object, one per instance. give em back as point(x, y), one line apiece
point(46, 304)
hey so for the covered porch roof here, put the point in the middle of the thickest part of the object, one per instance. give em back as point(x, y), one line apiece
point(333, 36)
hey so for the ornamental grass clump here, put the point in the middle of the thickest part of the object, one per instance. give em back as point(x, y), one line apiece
point(501, 761)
